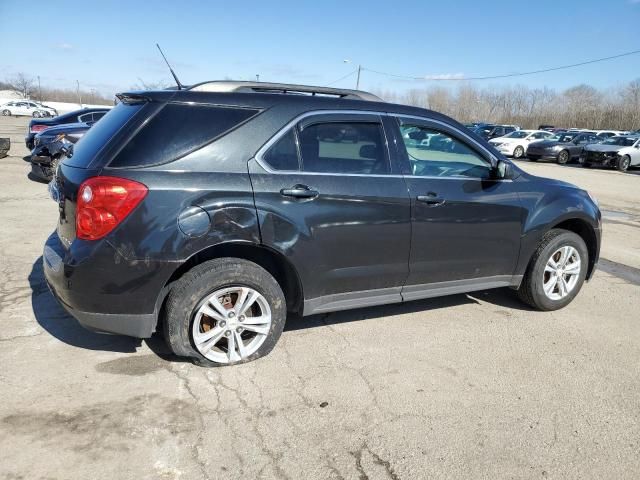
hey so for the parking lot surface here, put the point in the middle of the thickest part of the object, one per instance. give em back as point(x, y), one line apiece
point(465, 386)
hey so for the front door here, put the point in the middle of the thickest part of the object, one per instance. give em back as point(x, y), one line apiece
point(466, 223)
point(329, 200)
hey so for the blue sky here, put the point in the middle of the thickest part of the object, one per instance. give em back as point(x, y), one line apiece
point(108, 45)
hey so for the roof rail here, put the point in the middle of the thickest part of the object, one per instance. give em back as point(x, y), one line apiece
point(266, 87)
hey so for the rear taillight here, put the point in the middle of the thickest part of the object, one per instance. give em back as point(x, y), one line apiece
point(38, 128)
point(103, 202)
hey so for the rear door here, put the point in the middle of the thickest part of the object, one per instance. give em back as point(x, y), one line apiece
point(329, 199)
point(466, 224)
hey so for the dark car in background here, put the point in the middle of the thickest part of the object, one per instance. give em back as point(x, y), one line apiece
point(605, 154)
point(85, 115)
point(50, 146)
point(211, 212)
point(494, 131)
point(562, 147)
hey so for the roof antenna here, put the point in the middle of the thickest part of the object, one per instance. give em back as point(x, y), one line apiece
point(175, 77)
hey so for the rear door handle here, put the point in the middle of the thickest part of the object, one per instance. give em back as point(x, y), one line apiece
point(299, 191)
point(431, 199)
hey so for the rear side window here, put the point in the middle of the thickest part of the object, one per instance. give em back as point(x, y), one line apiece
point(283, 155)
point(85, 151)
point(344, 147)
point(177, 130)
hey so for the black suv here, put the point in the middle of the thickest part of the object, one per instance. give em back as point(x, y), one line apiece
point(211, 213)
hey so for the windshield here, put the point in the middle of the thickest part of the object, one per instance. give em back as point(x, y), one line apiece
point(563, 137)
point(518, 134)
point(622, 141)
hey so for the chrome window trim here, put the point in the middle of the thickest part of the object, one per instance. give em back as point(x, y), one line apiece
point(284, 130)
point(292, 123)
point(460, 132)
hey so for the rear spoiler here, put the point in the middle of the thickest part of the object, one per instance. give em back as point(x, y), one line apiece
point(133, 98)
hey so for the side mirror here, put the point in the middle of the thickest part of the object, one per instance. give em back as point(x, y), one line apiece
point(502, 170)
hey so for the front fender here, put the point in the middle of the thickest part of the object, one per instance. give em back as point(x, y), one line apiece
point(549, 207)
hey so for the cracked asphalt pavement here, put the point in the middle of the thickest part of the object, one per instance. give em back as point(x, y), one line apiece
point(465, 386)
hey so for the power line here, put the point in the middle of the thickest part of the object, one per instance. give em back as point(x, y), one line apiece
point(341, 78)
point(506, 75)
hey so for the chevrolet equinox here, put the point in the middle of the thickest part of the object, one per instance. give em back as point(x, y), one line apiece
point(211, 213)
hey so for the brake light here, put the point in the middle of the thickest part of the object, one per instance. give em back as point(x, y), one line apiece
point(38, 128)
point(104, 202)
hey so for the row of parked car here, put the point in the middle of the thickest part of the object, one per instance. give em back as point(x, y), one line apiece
point(606, 148)
point(49, 139)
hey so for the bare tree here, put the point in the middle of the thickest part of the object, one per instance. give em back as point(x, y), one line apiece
point(580, 106)
point(21, 84)
point(157, 85)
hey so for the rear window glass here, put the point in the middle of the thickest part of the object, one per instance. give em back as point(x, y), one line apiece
point(100, 133)
point(178, 129)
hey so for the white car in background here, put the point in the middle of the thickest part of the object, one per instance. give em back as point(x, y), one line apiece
point(629, 156)
point(515, 144)
point(27, 108)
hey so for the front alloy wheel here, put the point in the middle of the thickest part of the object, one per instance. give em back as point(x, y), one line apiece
point(518, 152)
point(563, 157)
point(561, 273)
point(231, 325)
point(556, 271)
point(623, 163)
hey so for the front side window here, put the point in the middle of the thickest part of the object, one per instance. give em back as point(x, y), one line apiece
point(435, 153)
point(344, 147)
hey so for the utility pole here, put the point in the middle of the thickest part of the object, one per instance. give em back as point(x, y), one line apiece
point(78, 92)
point(257, 77)
point(39, 90)
point(358, 78)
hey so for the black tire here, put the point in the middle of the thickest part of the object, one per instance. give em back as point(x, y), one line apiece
point(564, 157)
point(531, 291)
point(36, 115)
point(518, 152)
point(6, 113)
point(533, 158)
point(623, 163)
point(190, 292)
point(586, 164)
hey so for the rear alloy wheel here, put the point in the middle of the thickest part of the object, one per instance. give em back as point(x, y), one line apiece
point(6, 113)
point(518, 152)
point(623, 163)
point(224, 312)
point(556, 271)
point(563, 157)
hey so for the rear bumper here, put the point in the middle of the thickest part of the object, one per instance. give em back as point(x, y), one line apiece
point(94, 293)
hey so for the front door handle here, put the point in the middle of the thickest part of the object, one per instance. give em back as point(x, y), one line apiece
point(431, 199)
point(299, 191)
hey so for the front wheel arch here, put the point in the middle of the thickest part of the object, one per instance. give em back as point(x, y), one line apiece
point(588, 235)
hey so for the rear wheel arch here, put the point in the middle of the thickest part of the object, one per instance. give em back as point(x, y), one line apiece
point(272, 261)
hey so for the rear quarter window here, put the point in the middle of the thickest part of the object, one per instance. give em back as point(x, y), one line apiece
point(85, 151)
point(177, 130)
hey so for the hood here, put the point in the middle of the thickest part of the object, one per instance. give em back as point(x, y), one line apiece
point(598, 147)
point(65, 128)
